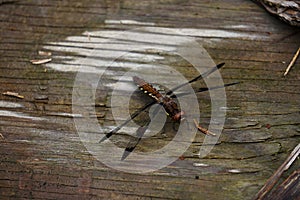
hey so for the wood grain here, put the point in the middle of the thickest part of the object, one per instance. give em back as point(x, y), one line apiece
point(42, 156)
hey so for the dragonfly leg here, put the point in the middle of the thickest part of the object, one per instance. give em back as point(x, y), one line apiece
point(203, 130)
point(175, 128)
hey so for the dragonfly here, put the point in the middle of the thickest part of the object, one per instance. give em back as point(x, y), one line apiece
point(169, 104)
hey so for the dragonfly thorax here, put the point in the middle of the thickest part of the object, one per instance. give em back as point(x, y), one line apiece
point(171, 108)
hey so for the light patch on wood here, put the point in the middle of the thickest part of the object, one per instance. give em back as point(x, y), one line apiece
point(7, 104)
point(72, 115)
point(129, 22)
point(139, 46)
point(6, 113)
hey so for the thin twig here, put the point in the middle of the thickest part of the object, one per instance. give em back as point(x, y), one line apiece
point(292, 62)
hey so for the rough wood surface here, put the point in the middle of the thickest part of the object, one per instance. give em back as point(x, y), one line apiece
point(42, 156)
point(289, 189)
point(287, 11)
point(273, 180)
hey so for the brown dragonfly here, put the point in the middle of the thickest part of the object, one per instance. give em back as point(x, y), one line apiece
point(169, 104)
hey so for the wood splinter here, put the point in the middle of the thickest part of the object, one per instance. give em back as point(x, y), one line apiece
point(41, 61)
point(203, 130)
point(292, 62)
point(13, 94)
point(1, 137)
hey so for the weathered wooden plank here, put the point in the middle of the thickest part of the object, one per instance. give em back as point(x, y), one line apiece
point(46, 159)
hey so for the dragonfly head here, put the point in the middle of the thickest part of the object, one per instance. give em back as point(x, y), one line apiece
point(179, 116)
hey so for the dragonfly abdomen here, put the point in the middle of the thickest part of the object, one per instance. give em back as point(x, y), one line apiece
point(168, 103)
point(147, 88)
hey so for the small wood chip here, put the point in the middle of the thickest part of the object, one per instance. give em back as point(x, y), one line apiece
point(292, 62)
point(42, 61)
point(1, 137)
point(41, 97)
point(89, 36)
point(44, 53)
point(13, 94)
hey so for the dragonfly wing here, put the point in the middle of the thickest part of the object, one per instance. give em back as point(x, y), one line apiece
point(201, 76)
point(205, 89)
point(139, 134)
point(134, 142)
point(134, 115)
